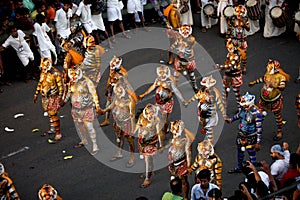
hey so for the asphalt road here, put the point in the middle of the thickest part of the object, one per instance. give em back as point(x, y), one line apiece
point(31, 161)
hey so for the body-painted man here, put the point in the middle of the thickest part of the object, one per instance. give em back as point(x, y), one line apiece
point(250, 130)
point(208, 98)
point(164, 87)
point(148, 128)
point(123, 112)
point(50, 86)
point(116, 71)
point(207, 158)
point(84, 99)
point(48, 192)
point(238, 25)
point(270, 95)
point(173, 24)
point(7, 188)
point(185, 61)
point(233, 76)
point(180, 153)
point(92, 60)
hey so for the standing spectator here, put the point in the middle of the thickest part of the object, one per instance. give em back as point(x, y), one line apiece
point(29, 5)
point(62, 20)
point(23, 21)
point(176, 188)
point(201, 189)
point(19, 44)
point(42, 39)
point(135, 6)
point(40, 8)
point(280, 166)
point(84, 11)
point(8, 190)
point(114, 13)
point(97, 8)
point(270, 30)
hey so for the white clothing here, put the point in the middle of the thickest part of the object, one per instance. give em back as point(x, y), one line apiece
point(270, 30)
point(42, 37)
point(134, 6)
point(74, 8)
point(263, 176)
point(296, 27)
point(187, 18)
point(254, 27)
point(62, 24)
point(84, 11)
point(223, 22)
point(279, 168)
point(20, 45)
point(197, 192)
point(113, 11)
point(44, 42)
point(206, 21)
point(98, 21)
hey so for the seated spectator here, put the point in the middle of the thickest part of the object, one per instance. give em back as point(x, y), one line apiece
point(176, 188)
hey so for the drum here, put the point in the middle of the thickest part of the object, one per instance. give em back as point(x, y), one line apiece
point(297, 17)
point(253, 9)
point(279, 16)
point(210, 10)
point(228, 11)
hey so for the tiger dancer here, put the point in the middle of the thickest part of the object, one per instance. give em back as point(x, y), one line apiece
point(209, 98)
point(270, 96)
point(250, 130)
point(233, 76)
point(50, 86)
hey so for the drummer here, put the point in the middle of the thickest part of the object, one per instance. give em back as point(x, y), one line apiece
point(253, 16)
point(208, 14)
point(223, 21)
point(270, 30)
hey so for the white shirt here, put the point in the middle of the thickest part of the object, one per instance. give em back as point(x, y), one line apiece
point(197, 191)
point(112, 3)
point(62, 20)
point(42, 37)
point(19, 44)
point(279, 168)
point(84, 11)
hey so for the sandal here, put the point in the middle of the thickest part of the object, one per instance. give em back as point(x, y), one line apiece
point(116, 157)
point(130, 164)
point(146, 183)
point(79, 145)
